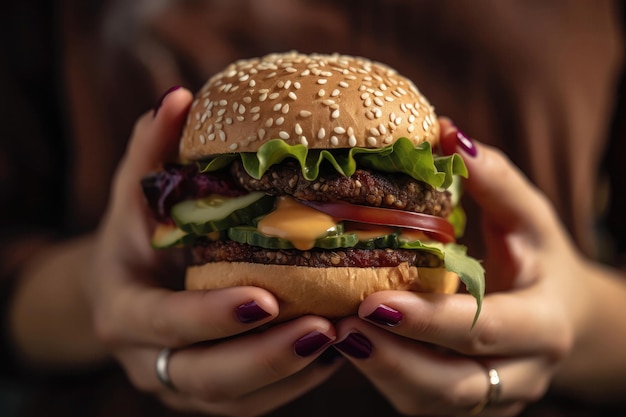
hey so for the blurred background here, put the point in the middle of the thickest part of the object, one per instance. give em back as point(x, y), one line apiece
point(543, 80)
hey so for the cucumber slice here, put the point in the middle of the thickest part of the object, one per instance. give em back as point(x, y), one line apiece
point(216, 213)
point(382, 242)
point(251, 236)
point(166, 236)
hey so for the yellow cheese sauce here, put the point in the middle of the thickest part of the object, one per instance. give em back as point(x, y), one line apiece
point(297, 223)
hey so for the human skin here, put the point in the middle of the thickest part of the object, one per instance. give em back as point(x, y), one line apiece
point(538, 325)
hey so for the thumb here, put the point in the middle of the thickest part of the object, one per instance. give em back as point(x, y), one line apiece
point(506, 197)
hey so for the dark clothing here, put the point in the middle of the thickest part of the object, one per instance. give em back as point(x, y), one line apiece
point(541, 80)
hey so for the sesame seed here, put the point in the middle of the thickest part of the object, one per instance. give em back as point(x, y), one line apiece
point(212, 136)
point(285, 108)
point(411, 128)
point(335, 114)
point(334, 140)
point(369, 115)
point(252, 83)
point(339, 130)
point(321, 93)
point(328, 102)
point(367, 102)
point(263, 97)
point(287, 84)
point(223, 102)
point(261, 133)
point(242, 109)
point(343, 84)
point(425, 125)
point(322, 81)
point(255, 109)
point(229, 121)
point(280, 121)
point(273, 96)
point(335, 93)
point(244, 77)
point(222, 135)
point(277, 106)
point(233, 146)
point(352, 141)
point(304, 141)
point(293, 95)
point(321, 133)
point(392, 116)
point(256, 117)
point(283, 135)
point(241, 118)
point(371, 140)
point(291, 69)
point(202, 139)
point(221, 112)
point(270, 75)
point(247, 100)
point(383, 87)
point(382, 129)
point(269, 122)
point(364, 96)
point(378, 102)
point(374, 131)
point(305, 113)
point(298, 129)
point(297, 85)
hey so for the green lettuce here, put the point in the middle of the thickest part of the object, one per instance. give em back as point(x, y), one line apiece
point(400, 157)
point(455, 258)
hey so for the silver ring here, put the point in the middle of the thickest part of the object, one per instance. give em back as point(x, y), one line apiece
point(493, 392)
point(162, 363)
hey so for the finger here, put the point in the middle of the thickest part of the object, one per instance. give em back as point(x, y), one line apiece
point(243, 365)
point(156, 136)
point(509, 323)
point(506, 197)
point(165, 318)
point(261, 401)
point(422, 379)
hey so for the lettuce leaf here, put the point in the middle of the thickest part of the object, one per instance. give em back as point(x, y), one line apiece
point(455, 258)
point(400, 157)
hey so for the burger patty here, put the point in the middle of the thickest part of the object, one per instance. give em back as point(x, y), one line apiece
point(365, 187)
point(205, 251)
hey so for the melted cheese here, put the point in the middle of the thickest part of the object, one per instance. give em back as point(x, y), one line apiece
point(297, 223)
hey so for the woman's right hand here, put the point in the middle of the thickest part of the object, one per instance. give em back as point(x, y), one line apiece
point(137, 316)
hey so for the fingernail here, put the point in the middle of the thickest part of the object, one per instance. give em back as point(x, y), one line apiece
point(160, 102)
point(385, 315)
point(466, 144)
point(355, 345)
point(310, 343)
point(250, 312)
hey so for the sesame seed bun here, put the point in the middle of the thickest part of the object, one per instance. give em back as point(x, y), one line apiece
point(321, 101)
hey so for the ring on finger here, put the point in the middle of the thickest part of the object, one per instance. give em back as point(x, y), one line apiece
point(162, 371)
point(493, 392)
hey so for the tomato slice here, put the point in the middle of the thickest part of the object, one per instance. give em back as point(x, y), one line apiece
point(440, 229)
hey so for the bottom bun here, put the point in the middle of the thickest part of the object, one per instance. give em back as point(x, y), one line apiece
point(327, 292)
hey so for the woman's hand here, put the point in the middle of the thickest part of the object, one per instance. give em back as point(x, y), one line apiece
point(439, 364)
point(136, 315)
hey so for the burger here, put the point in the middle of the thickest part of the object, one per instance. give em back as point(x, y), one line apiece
point(314, 176)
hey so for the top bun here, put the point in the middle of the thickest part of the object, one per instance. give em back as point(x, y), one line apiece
point(320, 101)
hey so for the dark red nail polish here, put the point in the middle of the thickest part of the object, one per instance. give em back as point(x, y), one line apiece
point(250, 312)
point(158, 105)
point(355, 345)
point(310, 343)
point(466, 144)
point(385, 315)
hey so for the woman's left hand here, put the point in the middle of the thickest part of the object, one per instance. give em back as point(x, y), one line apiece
point(421, 351)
